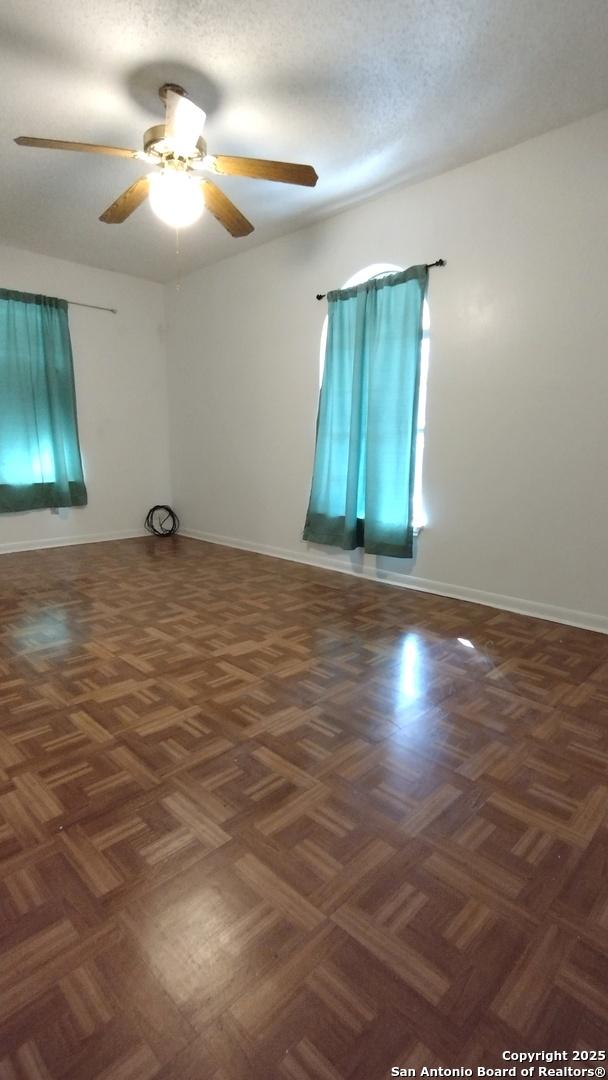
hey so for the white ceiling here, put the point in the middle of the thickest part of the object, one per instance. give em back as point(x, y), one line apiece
point(370, 93)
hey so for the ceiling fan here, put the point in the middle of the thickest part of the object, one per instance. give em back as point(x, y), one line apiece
point(178, 154)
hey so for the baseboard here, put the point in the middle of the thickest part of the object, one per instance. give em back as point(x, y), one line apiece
point(67, 541)
point(583, 619)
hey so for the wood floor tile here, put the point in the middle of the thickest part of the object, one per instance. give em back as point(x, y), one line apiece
point(259, 820)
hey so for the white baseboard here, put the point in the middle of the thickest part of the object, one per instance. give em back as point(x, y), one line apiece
point(582, 619)
point(67, 541)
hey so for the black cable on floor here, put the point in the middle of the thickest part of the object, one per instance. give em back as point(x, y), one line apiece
point(162, 521)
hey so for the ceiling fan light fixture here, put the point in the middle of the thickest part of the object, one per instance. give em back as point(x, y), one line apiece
point(176, 151)
point(176, 197)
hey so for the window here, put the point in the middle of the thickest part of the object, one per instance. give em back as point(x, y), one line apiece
point(379, 270)
point(362, 486)
point(40, 464)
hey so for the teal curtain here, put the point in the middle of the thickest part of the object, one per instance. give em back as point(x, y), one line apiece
point(363, 479)
point(40, 461)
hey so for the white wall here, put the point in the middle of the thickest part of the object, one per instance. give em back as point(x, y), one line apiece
point(121, 394)
point(517, 438)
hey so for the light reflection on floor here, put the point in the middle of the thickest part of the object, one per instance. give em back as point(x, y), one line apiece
point(50, 628)
point(411, 683)
point(415, 666)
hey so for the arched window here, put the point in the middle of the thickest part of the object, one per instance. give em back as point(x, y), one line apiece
point(378, 270)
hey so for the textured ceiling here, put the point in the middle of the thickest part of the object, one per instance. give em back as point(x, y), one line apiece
point(369, 93)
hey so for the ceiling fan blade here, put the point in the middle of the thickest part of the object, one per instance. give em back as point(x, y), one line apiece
point(225, 211)
point(126, 203)
point(258, 169)
point(87, 148)
point(184, 123)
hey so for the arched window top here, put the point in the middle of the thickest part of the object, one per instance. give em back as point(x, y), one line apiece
point(375, 270)
point(372, 271)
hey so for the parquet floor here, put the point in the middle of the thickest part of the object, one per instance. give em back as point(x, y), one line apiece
point(262, 821)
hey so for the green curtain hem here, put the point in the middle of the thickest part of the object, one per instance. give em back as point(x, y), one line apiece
point(15, 499)
point(396, 551)
point(333, 531)
point(322, 530)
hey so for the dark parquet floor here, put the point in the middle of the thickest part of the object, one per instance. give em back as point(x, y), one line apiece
point(263, 821)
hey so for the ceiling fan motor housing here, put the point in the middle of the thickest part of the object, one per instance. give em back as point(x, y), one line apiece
point(154, 137)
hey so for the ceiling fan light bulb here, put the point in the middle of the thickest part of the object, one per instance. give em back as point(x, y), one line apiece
point(176, 198)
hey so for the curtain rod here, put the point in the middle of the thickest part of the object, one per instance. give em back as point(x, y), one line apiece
point(96, 307)
point(439, 262)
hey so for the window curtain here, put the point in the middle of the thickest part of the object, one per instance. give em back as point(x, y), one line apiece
point(363, 478)
point(40, 461)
